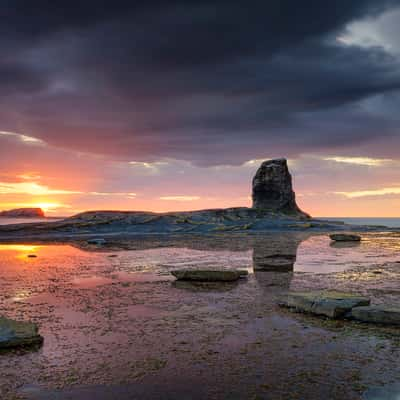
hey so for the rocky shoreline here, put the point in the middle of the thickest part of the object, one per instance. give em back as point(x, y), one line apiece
point(274, 210)
point(221, 221)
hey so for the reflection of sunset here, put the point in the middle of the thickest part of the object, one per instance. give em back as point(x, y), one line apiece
point(21, 248)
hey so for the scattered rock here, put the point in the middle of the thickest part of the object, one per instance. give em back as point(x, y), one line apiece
point(275, 262)
point(345, 237)
point(272, 189)
point(15, 333)
point(96, 241)
point(209, 275)
point(331, 304)
point(380, 314)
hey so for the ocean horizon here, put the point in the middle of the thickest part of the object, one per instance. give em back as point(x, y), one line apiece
point(390, 222)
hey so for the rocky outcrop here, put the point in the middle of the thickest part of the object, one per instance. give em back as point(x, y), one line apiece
point(272, 189)
point(23, 213)
point(16, 333)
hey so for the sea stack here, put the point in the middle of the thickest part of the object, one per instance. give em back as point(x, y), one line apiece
point(272, 189)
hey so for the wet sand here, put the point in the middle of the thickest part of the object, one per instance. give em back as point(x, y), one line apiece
point(117, 325)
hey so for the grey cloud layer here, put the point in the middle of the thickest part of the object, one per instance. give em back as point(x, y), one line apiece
point(212, 82)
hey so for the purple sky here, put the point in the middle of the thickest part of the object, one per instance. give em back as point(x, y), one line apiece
point(173, 104)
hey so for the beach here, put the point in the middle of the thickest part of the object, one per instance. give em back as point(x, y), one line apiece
point(117, 325)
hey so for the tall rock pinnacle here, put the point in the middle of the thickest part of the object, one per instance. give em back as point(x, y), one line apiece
point(272, 189)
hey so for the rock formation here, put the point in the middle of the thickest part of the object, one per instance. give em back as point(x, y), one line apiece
point(15, 333)
point(272, 189)
point(23, 213)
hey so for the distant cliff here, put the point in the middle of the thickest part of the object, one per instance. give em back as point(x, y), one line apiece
point(23, 213)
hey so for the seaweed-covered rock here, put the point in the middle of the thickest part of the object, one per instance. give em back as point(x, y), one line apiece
point(15, 333)
point(209, 275)
point(272, 189)
point(380, 314)
point(331, 304)
point(345, 237)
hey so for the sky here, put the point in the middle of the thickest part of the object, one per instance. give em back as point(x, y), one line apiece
point(172, 105)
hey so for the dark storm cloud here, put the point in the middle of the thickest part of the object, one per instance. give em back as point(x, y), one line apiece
point(209, 82)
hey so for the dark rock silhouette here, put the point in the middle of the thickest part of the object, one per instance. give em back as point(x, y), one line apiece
point(272, 189)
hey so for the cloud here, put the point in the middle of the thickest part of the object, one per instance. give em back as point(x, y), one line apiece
point(123, 194)
point(381, 31)
point(31, 188)
point(36, 189)
point(369, 193)
point(367, 161)
point(22, 138)
point(135, 81)
point(180, 198)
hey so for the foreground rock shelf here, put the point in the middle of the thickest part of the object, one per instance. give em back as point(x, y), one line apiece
point(338, 305)
point(327, 303)
point(380, 314)
point(15, 334)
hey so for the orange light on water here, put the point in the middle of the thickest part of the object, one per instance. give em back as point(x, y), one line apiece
point(21, 251)
point(21, 248)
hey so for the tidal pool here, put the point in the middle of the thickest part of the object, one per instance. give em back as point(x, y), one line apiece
point(116, 324)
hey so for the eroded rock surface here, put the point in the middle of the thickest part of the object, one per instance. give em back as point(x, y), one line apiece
point(331, 304)
point(380, 314)
point(272, 189)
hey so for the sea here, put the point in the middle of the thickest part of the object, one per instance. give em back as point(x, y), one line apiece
point(388, 222)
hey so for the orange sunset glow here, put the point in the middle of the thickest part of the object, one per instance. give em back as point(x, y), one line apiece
point(325, 185)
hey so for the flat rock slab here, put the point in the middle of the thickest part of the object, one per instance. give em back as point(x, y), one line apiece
point(331, 304)
point(209, 275)
point(380, 314)
point(15, 333)
point(345, 237)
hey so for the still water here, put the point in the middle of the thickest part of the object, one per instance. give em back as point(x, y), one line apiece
point(116, 323)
